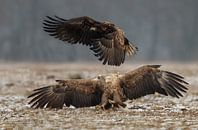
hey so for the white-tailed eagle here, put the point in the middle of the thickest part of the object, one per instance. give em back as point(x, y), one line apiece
point(106, 40)
point(111, 91)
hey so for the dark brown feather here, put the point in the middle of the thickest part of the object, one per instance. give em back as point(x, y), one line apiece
point(105, 39)
point(79, 93)
point(149, 79)
point(116, 88)
point(75, 30)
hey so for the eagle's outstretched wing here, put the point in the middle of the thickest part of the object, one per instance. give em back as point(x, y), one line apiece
point(105, 39)
point(150, 79)
point(77, 30)
point(78, 93)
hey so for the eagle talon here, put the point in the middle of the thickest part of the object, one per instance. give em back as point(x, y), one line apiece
point(118, 105)
point(99, 107)
point(103, 106)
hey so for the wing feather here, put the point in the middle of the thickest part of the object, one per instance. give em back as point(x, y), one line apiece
point(105, 39)
point(79, 93)
point(112, 56)
point(149, 79)
point(76, 30)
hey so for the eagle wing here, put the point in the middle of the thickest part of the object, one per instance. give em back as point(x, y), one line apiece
point(149, 79)
point(77, 30)
point(78, 93)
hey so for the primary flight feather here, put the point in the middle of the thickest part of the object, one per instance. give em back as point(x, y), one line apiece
point(106, 40)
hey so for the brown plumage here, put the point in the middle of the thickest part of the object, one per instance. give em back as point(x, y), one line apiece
point(108, 91)
point(106, 40)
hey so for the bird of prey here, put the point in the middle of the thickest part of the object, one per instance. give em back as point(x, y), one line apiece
point(109, 91)
point(106, 40)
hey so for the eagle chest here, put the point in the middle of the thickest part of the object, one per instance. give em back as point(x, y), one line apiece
point(112, 87)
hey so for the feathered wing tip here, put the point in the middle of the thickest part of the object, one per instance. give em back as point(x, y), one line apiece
point(173, 84)
point(131, 49)
point(45, 97)
point(51, 24)
point(53, 20)
point(149, 79)
point(78, 93)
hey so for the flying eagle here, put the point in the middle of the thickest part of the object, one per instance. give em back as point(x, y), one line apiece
point(110, 91)
point(106, 40)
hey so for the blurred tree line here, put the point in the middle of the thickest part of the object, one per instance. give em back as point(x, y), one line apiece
point(162, 29)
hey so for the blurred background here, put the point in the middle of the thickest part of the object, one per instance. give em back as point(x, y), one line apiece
point(164, 30)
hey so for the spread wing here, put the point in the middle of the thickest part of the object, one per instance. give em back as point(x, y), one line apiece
point(149, 79)
point(77, 30)
point(78, 93)
point(105, 40)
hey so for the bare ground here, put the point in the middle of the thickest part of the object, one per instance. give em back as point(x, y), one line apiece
point(150, 112)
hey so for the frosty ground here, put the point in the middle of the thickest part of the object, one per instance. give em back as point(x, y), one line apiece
point(150, 112)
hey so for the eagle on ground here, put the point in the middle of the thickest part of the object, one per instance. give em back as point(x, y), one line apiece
point(106, 40)
point(109, 91)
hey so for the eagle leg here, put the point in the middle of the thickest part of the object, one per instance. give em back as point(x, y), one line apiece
point(117, 100)
point(105, 104)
